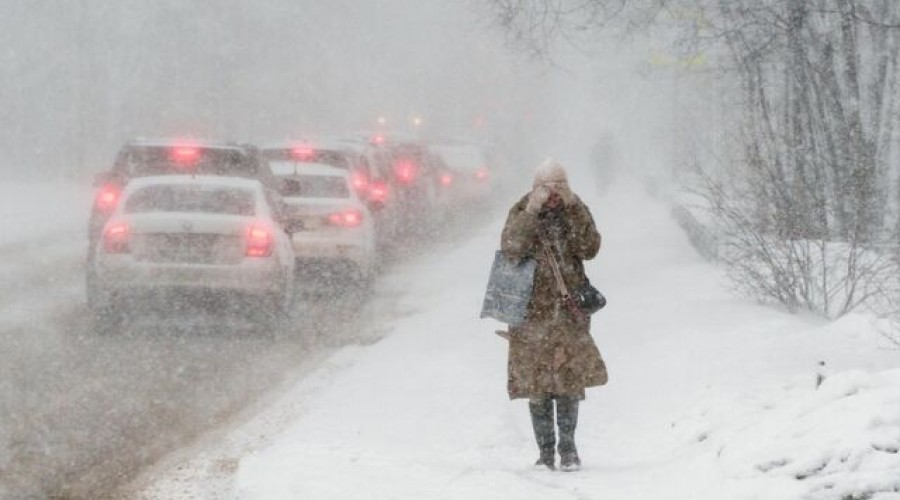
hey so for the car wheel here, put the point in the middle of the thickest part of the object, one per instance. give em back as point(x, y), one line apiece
point(107, 322)
point(283, 300)
point(279, 304)
point(107, 317)
point(273, 314)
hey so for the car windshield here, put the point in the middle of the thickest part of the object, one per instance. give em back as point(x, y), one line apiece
point(315, 186)
point(160, 160)
point(206, 199)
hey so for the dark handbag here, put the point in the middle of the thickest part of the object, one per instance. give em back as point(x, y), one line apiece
point(588, 298)
point(584, 300)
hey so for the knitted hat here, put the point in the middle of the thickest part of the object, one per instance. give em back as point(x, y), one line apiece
point(550, 172)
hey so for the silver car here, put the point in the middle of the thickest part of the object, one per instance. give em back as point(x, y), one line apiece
point(331, 227)
point(194, 234)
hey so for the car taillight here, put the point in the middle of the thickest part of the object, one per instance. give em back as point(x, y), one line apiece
point(259, 241)
point(347, 218)
point(406, 171)
point(360, 181)
point(482, 174)
point(378, 192)
point(185, 155)
point(303, 153)
point(446, 179)
point(115, 238)
point(108, 197)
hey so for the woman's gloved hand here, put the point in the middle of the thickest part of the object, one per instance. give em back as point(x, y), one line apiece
point(539, 195)
point(562, 189)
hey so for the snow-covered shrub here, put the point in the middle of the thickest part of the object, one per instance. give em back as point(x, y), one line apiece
point(825, 275)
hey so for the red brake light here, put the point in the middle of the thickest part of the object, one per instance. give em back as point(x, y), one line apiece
point(378, 192)
point(377, 139)
point(406, 171)
point(359, 180)
point(303, 153)
point(446, 179)
point(259, 241)
point(115, 238)
point(482, 174)
point(185, 155)
point(349, 218)
point(108, 197)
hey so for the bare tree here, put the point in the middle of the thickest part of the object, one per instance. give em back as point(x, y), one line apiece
point(801, 205)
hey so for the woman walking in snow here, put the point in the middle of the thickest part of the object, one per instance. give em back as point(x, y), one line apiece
point(552, 357)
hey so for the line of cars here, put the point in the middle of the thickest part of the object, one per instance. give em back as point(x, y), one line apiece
point(242, 221)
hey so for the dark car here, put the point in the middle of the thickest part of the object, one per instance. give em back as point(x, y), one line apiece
point(336, 153)
point(468, 178)
point(170, 157)
point(411, 173)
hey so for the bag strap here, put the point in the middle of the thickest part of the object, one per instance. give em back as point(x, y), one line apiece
point(554, 266)
point(561, 284)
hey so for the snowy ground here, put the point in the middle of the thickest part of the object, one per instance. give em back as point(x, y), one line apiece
point(710, 397)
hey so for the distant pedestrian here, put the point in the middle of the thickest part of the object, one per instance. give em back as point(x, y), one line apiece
point(552, 356)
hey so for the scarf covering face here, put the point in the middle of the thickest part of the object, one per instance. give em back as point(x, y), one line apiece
point(553, 227)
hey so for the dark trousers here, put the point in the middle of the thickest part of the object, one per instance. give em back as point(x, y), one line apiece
point(566, 419)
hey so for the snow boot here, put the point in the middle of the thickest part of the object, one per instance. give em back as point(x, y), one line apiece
point(544, 433)
point(567, 419)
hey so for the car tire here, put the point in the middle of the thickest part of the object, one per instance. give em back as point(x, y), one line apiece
point(281, 302)
point(272, 316)
point(278, 307)
point(106, 316)
point(107, 322)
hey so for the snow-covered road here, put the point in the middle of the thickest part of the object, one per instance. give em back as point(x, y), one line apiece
point(80, 412)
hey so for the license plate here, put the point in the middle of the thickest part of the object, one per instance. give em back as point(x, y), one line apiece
point(189, 248)
point(308, 223)
point(311, 223)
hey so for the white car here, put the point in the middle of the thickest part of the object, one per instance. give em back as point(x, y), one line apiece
point(329, 223)
point(195, 234)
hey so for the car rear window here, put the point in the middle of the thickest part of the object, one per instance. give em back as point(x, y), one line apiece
point(322, 156)
point(292, 168)
point(315, 186)
point(204, 199)
point(142, 161)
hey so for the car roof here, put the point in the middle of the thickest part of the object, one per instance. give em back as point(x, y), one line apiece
point(188, 180)
point(320, 143)
point(167, 143)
